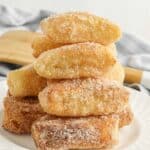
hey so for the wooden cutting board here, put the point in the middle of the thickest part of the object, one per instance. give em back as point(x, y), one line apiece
point(15, 47)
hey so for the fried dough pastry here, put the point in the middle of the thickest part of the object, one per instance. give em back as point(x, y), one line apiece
point(77, 27)
point(75, 133)
point(43, 43)
point(75, 61)
point(25, 82)
point(83, 97)
point(115, 73)
point(20, 113)
point(125, 117)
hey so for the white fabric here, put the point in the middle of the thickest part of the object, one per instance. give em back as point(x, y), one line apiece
point(13, 18)
point(146, 79)
point(134, 52)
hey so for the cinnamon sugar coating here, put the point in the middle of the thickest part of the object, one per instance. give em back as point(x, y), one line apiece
point(75, 133)
point(20, 113)
point(42, 43)
point(83, 97)
point(77, 27)
point(125, 117)
point(75, 61)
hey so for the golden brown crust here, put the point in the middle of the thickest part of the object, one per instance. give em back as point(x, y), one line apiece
point(75, 133)
point(20, 113)
point(25, 82)
point(125, 117)
point(77, 27)
point(83, 97)
point(75, 61)
point(115, 73)
point(43, 43)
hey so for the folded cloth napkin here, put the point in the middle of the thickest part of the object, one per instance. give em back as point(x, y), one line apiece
point(132, 51)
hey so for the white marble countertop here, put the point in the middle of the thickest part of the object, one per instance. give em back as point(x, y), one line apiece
point(132, 15)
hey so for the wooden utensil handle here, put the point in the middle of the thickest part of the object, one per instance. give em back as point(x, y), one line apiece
point(133, 75)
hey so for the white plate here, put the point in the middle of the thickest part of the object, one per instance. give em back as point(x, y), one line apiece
point(133, 137)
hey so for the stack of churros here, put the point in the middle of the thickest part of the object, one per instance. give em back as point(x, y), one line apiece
point(75, 84)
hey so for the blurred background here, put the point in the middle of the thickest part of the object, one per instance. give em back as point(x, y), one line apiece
point(132, 15)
